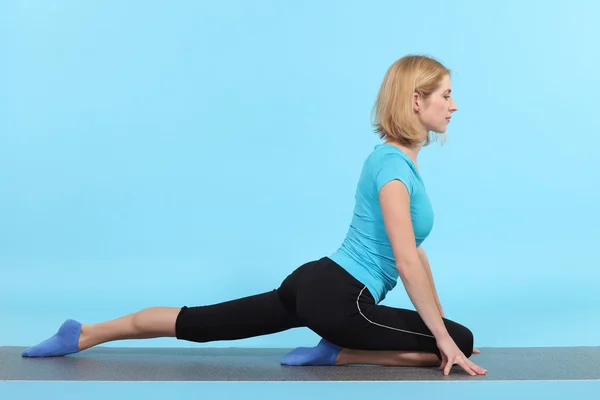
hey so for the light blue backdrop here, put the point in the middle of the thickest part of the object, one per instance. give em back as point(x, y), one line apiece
point(191, 152)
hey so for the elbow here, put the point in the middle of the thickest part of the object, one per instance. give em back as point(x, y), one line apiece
point(406, 268)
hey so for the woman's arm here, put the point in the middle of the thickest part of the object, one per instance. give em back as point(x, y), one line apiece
point(427, 267)
point(395, 207)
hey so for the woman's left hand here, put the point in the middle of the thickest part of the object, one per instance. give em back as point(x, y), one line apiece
point(476, 351)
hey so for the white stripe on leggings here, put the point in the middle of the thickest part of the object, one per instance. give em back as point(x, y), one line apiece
point(384, 326)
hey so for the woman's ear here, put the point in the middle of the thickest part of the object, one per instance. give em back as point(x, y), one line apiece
point(416, 100)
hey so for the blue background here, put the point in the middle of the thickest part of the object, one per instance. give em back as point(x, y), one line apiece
point(192, 152)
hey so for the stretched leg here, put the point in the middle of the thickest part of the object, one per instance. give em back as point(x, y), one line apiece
point(246, 317)
point(250, 316)
point(72, 336)
point(152, 322)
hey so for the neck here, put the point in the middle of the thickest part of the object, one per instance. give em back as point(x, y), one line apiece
point(412, 152)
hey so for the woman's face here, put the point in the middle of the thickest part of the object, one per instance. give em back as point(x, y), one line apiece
point(435, 111)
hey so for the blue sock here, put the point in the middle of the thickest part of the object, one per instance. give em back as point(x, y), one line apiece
point(65, 341)
point(325, 353)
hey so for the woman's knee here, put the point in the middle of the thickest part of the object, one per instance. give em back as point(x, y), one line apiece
point(462, 336)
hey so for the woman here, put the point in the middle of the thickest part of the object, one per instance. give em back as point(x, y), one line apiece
point(338, 296)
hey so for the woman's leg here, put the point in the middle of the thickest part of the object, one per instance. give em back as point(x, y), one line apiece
point(243, 318)
point(346, 314)
point(394, 358)
point(72, 336)
point(148, 323)
point(378, 327)
point(236, 319)
point(250, 316)
point(327, 353)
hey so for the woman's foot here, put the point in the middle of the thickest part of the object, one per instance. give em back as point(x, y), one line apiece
point(325, 353)
point(65, 341)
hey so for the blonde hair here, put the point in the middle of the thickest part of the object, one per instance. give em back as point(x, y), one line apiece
point(393, 116)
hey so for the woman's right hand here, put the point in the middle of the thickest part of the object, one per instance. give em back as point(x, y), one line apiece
point(451, 355)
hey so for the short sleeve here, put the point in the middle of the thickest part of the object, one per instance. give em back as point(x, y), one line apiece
point(394, 167)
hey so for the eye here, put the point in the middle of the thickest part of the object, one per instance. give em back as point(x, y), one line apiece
point(447, 97)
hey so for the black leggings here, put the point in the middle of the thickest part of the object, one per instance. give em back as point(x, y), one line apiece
point(322, 296)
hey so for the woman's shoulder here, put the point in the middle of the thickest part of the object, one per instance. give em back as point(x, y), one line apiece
point(383, 155)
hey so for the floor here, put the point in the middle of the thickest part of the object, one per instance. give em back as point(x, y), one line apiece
point(250, 364)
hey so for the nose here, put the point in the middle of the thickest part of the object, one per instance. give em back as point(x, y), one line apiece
point(453, 106)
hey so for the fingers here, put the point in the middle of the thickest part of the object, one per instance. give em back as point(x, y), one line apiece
point(447, 368)
point(469, 366)
point(444, 361)
point(477, 368)
point(476, 351)
point(450, 363)
point(463, 363)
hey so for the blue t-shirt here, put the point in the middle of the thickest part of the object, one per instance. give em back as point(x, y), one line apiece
point(366, 252)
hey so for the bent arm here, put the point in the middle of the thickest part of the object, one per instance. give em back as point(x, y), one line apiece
point(425, 263)
point(395, 207)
